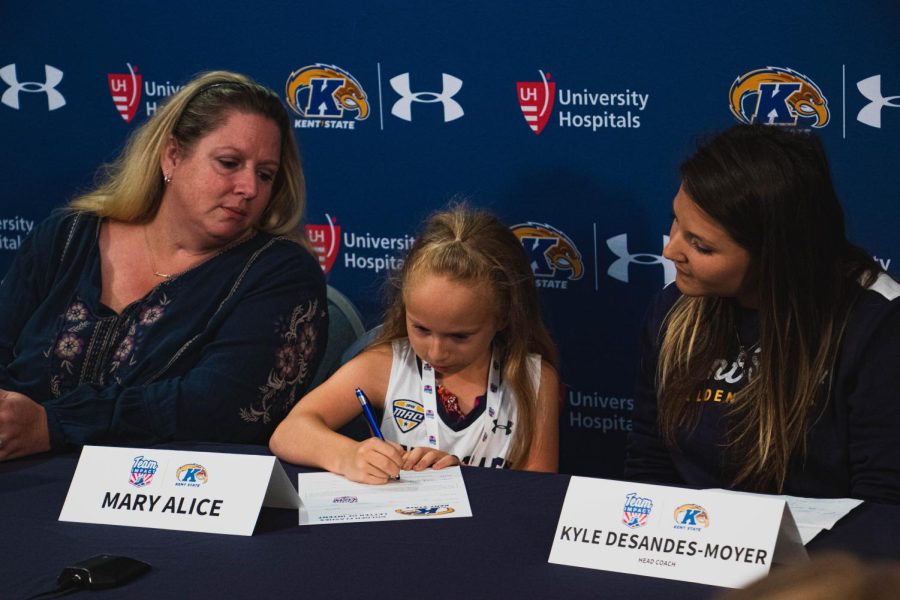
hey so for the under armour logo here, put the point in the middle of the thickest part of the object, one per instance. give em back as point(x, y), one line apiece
point(507, 427)
point(403, 107)
point(619, 268)
point(52, 78)
point(870, 114)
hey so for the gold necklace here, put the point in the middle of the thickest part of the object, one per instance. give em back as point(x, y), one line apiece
point(153, 259)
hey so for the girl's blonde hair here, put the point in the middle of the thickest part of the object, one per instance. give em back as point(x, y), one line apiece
point(131, 187)
point(474, 247)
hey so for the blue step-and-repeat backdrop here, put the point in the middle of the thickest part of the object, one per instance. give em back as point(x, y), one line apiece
point(569, 119)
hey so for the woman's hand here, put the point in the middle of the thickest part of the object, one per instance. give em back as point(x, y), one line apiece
point(23, 426)
point(419, 459)
point(373, 461)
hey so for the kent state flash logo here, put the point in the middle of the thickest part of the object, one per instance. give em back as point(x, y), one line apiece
point(326, 241)
point(142, 471)
point(407, 414)
point(327, 94)
point(691, 517)
point(778, 96)
point(536, 101)
point(191, 475)
point(555, 260)
point(636, 511)
point(125, 89)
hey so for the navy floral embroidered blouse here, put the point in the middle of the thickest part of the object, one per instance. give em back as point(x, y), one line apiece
point(218, 353)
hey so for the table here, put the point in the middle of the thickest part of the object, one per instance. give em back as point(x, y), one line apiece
point(499, 553)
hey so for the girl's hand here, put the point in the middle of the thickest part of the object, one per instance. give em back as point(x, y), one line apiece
point(23, 426)
point(373, 461)
point(419, 459)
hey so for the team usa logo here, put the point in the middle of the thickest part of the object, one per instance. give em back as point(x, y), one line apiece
point(125, 89)
point(407, 414)
point(326, 241)
point(191, 475)
point(555, 260)
point(326, 96)
point(691, 517)
point(426, 511)
point(536, 101)
point(637, 510)
point(142, 471)
point(778, 96)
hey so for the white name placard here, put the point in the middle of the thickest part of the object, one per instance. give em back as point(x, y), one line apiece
point(705, 536)
point(174, 489)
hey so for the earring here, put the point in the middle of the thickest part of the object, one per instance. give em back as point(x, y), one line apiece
point(166, 178)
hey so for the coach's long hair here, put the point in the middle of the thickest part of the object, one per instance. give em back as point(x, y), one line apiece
point(474, 247)
point(130, 188)
point(771, 190)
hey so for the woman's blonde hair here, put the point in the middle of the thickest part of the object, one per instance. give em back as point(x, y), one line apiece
point(131, 187)
point(474, 247)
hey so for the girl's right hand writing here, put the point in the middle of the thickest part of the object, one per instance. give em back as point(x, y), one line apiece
point(373, 461)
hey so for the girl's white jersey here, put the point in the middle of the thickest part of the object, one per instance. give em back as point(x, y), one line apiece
point(410, 412)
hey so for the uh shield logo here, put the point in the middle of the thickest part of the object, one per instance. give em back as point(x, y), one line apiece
point(778, 96)
point(125, 89)
point(323, 91)
point(407, 414)
point(326, 241)
point(536, 101)
point(554, 258)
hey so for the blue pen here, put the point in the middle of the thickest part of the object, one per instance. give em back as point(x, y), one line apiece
point(370, 416)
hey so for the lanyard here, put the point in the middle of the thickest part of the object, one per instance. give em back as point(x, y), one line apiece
point(429, 401)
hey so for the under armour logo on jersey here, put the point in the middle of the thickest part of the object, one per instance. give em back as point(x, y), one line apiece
point(619, 268)
point(52, 78)
point(870, 114)
point(403, 107)
point(507, 427)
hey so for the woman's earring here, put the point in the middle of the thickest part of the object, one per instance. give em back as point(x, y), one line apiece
point(166, 178)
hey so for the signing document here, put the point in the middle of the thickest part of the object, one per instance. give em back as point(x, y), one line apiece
point(418, 495)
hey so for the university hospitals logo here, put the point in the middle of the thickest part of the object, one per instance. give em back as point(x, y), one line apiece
point(125, 89)
point(870, 114)
point(691, 517)
point(142, 471)
point(536, 101)
point(326, 241)
point(407, 414)
point(555, 260)
point(637, 510)
point(450, 87)
point(326, 96)
point(52, 78)
point(619, 268)
point(778, 96)
point(191, 475)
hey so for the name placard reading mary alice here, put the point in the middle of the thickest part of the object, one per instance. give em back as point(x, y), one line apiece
point(706, 537)
point(173, 489)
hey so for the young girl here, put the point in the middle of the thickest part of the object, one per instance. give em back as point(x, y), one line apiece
point(464, 368)
point(772, 364)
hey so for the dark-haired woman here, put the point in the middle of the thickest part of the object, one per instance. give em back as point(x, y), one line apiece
point(773, 364)
point(178, 300)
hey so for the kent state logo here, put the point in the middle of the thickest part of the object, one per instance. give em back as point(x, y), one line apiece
point(426, 511)
point(778, 96)
point(637, 510)
point(326, 241)
point(407, 414)
point(191, 475)
point(536, 101)
point(328, 95)
point(142, 471)
point(691, 517)
point(125, 89)
point(554, 258)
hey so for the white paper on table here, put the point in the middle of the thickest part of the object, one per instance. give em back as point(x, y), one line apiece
point(419, 495)
point(814, 514)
